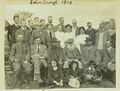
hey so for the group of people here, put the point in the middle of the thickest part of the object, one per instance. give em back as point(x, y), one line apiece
point(62, 55)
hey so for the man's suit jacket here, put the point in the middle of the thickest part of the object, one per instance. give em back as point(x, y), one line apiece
point(55, 54)
point(92, 34)
point(106, 36)
point(37, 33)
point(20, 51)
point(108, 56)
point(72, 54)
point(25, 33)
point(42, 50)
point(11, 34)
point(92, 55)
point(47, 37)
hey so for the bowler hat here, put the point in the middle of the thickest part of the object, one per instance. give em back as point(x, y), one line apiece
point(88, 39)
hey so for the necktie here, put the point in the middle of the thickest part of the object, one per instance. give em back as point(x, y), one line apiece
point(50, 34)
point(38, 49)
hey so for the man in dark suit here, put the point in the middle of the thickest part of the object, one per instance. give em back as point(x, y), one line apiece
point(55, 52)
point(20, 53)
point(38, 32)
point(109, 61)
point(91, 31)
point(12, 30)
point(24, 31)
point(90, 53)
point(49, 34)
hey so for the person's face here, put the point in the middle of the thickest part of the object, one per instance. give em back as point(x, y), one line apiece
point(101, 27)
point(16, 20)
point(59, 28)
point(53, 63)
point(36, 21)
point(74, 22)
point(43, 22)
point(61, 21)
point(89, 43)
point(20, 38)
point(89, 25)
point(108, 44)
point(68, 29)
point(30, 23)
point(82, 31)
point(74, 65)
point(37, 41)
point(23, 23)
point(50, 19)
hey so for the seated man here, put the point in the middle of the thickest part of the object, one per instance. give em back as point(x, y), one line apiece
point(55, 52)
point(90, 53)
point(108, 62)
point(38, 55)
point(71, 53)
point(20, 53)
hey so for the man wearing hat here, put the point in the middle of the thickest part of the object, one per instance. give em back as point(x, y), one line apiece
point(71, 53)
point(90, 53)
point(55, 52)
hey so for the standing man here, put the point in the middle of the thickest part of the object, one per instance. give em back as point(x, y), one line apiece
point(49, 34)
point(25, 32)
point(30, 26)
point(19, 53)
point(61, 20)
point(38, 32)
point(50, 22)
point(12, 30)
point(36, 22)
point(75, 28)
point(91, 32)
point(101, 37)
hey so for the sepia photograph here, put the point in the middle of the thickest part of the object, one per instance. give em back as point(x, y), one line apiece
point(47, 47)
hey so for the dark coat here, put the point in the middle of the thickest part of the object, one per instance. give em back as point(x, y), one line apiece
point(106, 36)
point(11, 34)
point(25, 33)
point(55, 75)
point(92, 55)
point(55, 54)
point(72, 54)
point(20, 51)
point(91, 33)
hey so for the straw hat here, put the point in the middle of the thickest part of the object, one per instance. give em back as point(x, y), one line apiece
point(74, 83)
